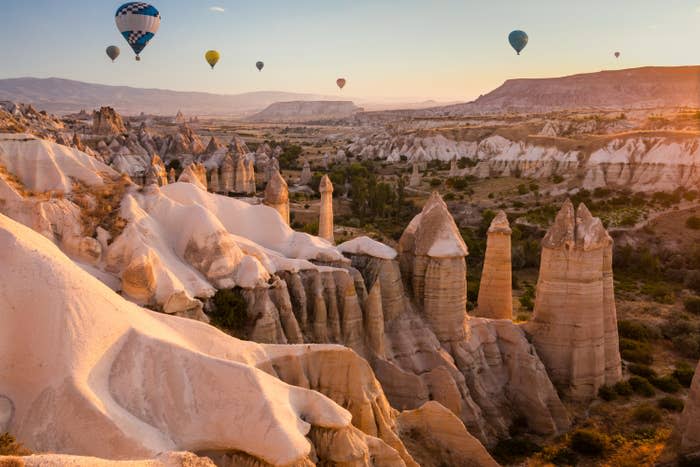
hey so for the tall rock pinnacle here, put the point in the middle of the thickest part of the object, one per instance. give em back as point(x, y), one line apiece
point(277, 195)
point(496, 288)
point(325, 222)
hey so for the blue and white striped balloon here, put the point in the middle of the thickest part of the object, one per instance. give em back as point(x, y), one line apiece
point(138, 22)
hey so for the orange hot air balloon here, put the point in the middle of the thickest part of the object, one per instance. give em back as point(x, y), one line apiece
point(341, 82)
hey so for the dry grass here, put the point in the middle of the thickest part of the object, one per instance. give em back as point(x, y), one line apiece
point(101, 206)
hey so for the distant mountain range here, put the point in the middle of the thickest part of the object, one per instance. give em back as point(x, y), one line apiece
point(647, 87)
point(300, 111)
point(66, 96)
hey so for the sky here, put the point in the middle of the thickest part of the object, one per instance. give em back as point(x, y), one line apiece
point(406, 50)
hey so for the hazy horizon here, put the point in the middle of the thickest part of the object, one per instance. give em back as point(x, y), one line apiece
point(445, 51)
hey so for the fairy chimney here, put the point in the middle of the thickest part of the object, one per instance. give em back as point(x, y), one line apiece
point(277, 196)
point(495, 290)
point(325, 222)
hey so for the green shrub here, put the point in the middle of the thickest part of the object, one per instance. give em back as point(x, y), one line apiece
point(514, 450)
point(692, 305)
point(659, 292)
point(561, 455)
point(230, 310)
point(435, 182)
point(10, 447)
point(684, 374)
point(667, 384)
point(647, 414)
point(645, 371)
point(672, 404)
point(637, 330)
point(688, 345)
point(693, 222)
point(642, 386)
point(623, 388)
point(636, 352)
point(607, 393)
point(589, 442)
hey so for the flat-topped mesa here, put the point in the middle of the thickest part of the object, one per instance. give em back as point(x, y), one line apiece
point(277, 196)
point(305, 174)
point(325, 221)
point(574, 327)
point(432, 254)
point(416, 177)
point(107, 121)
point(496, 289)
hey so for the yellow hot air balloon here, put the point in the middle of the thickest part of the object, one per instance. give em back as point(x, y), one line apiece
point(212, 57)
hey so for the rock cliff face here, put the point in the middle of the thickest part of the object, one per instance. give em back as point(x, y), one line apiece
point(574, 323)
point(107, 121)
point(325, 223)
point(496, 288)
point(642, 163)
point(690, 420)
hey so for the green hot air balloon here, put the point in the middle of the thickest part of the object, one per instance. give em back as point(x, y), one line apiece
point(518, 40)
point(259, 66)
point(113, 52)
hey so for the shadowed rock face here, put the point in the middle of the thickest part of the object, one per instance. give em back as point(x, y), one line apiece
point(107, 121)
point(496, 288)
point(574, 325)
point(690, 420)
point(277, 195)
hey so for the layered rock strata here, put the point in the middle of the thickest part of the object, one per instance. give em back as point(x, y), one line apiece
point(495, 299)
point(689, 427)
point(574, 326)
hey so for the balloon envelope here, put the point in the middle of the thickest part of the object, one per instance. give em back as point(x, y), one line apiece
point(518, 40)
point(212, 57)
point(259, 66)
point(138, 22)
point(113, 52)
point(617, 54)
point(340, 82)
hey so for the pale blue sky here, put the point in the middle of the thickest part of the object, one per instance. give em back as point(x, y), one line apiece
point(442, 49)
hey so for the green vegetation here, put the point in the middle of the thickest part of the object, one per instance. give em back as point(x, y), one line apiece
point(636, 351)
point(684, 374)
point(230, 311)
point(692, 305)
point(589, 442)
point(672, 404)
point(514, 450)
point(10, 447)
point(637, 330)
point(693, 223)
point(647, 414)
point(642, 386)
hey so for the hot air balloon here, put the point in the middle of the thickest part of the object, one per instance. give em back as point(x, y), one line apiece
point(340, 82)
point(518, 40)
point(259, 66)
point(113, 52)
point(617, 54)
point(212, 57)
point(138, 22)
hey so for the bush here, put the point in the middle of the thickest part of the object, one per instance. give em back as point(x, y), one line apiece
point(623, 388)
point(514, 450)
point(672, 404)
point(607, 393)
point(642, 386)
point(560, 455)
point(10, 447)
point(230, 310)
point(589, 442)
point(644, 371)
point(692, 305)
point(667, 384)
point(647, 414)
point(434, 182)
point(635, 351)
point(684, 374)
point(637, 330)
point(693, 223)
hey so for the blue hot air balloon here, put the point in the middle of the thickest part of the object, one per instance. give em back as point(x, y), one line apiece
point(138, 22)
point(518, 40)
